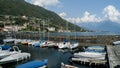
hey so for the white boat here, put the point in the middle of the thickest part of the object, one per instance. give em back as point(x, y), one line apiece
point(89, 60)
point(17, 41)
point(8, 40)
point(73, 45)
point(67, 66)
point(48, 44)
point(96, 48)
point(5, 53)
point(39, 43)
point(90, 55)
point(63, 45)
point(116, 43)
point(80, 59)
point(15, 57)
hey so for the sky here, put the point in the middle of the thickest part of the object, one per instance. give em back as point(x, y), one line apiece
point(83, 11)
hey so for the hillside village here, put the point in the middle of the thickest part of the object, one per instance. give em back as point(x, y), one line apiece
point(24, 23)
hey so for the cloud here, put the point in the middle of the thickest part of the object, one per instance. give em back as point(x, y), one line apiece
point(112, 13)
point(63, 14)
point(90, 18)
point(87, 17)
point(44, 3)
point(73, 20)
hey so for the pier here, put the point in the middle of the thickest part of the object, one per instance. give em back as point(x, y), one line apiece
point(81, 38)
point(113, 56)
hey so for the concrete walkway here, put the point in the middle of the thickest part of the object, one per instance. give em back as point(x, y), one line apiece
point(113, 55)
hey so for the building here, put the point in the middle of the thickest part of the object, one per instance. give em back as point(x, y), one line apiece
point(51, 29)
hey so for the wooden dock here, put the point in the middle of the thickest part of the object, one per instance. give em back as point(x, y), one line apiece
point(113, 56)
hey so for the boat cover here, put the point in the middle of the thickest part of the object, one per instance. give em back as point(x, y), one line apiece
point(5, 47)
point(33, 64)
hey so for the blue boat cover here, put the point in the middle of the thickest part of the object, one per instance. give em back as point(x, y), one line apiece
point(33, 64)
point(36, 44)
point(5, 47)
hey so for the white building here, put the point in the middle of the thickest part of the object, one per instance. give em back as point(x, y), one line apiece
point(51, 28)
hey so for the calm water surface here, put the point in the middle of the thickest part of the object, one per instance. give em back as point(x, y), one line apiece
point(54, 56)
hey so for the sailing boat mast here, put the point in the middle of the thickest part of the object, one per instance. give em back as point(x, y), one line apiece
point(43, 28)
point(75, 29)
point(48, 28)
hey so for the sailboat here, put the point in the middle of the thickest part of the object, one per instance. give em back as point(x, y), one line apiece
point(74, 44)
point(63, 45)
point(47, 43)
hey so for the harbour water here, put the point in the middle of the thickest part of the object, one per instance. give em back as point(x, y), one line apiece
point(54, 56)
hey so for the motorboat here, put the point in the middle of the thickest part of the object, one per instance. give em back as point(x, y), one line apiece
point(67, 66)
point(48, 44)
point(39, 43)
point(15, 57)
point(34, 64)
point(63, 45)
point(89, 60)
point(73, 45)
point(36, 44)
point(5, 53)
point(116, 43)
point(8, 40)
point(90, 55)
point(96, 48)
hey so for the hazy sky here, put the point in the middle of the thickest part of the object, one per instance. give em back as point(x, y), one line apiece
point(82, 11)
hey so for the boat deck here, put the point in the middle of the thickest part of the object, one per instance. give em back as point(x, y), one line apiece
point(113, 56)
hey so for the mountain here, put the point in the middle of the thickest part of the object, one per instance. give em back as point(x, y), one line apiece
point(102, 26)
point(22, 8)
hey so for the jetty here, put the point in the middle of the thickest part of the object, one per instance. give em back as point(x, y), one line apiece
point(102, 39)
point(113, 56)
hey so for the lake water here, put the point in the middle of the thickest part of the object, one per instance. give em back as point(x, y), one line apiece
point(41, 34)
point(54, 56)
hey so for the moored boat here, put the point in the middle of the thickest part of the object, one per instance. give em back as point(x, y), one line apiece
point(15, 57)
point(90, 55)
point(8, 40)
point(89, 60)
point(5, 53)
point(34, 64)
point(73, 45)
point(96, 48)
point(67, 66)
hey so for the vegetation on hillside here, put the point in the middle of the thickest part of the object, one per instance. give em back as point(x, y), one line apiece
point(22, 8)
